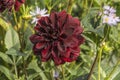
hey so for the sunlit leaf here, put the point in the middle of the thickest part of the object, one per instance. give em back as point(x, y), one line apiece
point(12, 39)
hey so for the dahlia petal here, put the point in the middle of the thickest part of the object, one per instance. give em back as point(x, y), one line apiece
point(69, 31)
point(61, 47)
point(62, 18)
point(58, 61)
point(63, 36)
point(40, 45)
point(6, 4)
point(35, 38)
point(36, 51)
point(45, 56)
point(78, 30)
point(75, 50)
point(53, 20)
point(71, 41)
point(73, 57)
point(67, 53)
point(80, 39)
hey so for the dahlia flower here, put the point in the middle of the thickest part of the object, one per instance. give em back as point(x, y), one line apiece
point(57, 38)
point(8, 4)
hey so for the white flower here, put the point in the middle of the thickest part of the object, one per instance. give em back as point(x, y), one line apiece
point(109, 10)
point(38, 13)
point(111, 20)
point(106, 7)
point(106, 12)
point(112, 10)
point(109, 16)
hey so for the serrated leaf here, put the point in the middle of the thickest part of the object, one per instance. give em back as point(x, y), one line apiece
point(12, 39)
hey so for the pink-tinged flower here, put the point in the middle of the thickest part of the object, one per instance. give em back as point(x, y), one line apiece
point(8, 4)
point(57, 38)
point(111, 20)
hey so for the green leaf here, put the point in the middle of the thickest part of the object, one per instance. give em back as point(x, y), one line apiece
point(32, 76)
point(27, 34)
point(12, 39)
point(82, 77)
point(33, 65)
point(6, 72)
point(6, 58)
point(14, 52)
point(117, 76)
point(100, 31)
point(86, 21)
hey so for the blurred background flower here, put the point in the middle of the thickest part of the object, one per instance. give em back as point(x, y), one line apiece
point(8, 4)
point(109, 16)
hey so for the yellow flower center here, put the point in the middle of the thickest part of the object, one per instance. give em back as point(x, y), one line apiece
point(106, 19)
point(38, 16)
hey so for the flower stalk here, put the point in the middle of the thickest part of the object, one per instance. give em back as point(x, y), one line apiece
point(99, 61)
point(63, 72)
point(15, 68)
point(99, 55)
point(92, 68)
point(97, 58)
point(70, 5)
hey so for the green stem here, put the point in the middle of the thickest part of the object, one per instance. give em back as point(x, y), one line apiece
point(98, 56)
point(99, 62)
point(51, 74)
point(70, 5)
point(24, 68)
point(92, 68)
point(112, 72)
point(107, 30)
point(23, 46)
point(16, 73)
point(89, 9)
point(63, 72)
point(15, 17)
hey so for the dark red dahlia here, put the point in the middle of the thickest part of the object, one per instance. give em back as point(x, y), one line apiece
point(57, 37)
point(8, 4)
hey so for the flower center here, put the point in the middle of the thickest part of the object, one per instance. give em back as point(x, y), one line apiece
point(53, 35)
point(106, 19)
point(38, 16)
